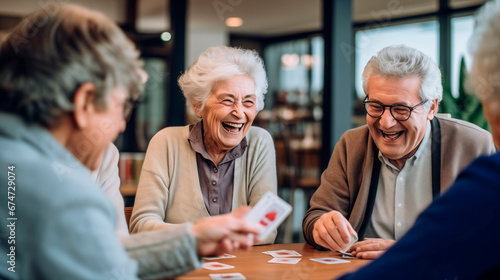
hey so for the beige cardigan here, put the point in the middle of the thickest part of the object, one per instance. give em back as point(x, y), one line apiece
point(345, 184)
point(169, 189)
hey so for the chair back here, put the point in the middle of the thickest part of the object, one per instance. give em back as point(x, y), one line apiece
point(128, 214)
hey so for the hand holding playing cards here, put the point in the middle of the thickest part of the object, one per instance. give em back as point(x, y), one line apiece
point(221, 234)
point(333, 231)
point(370, 248)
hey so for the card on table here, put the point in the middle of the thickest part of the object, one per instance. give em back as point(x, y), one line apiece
point(270, 211)
point(227, 276)
point(225, 256)
point(284, 253)
point(329, 260)
point(216, 266)
point(285, 260)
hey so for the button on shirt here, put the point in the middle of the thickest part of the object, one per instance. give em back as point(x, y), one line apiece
point(216, 181)
point(402, 194)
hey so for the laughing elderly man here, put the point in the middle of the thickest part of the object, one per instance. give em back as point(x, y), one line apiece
point(381, 176)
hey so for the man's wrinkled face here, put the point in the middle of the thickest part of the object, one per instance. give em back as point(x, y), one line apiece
point(398, 139)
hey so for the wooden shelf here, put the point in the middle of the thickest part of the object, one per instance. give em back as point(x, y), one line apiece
point(128, 189)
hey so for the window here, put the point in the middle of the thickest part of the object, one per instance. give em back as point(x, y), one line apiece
point(286, 72)
point(149, 115)
point(461, 30)
point(295, 71)
point(423, 36)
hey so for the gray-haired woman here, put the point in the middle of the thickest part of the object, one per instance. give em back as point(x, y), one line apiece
point(218, 164)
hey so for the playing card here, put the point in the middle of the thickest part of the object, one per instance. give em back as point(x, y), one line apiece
point(226, 276)
point(354, 238)
point(266, 252)
point(225, 256)
point(348, 256)
point(329, 260)
point(285, 260)
point(284, 253)
point(216, 266)
point(269, 211)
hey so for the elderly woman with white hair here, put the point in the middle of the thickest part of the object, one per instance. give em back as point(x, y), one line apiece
point(454, 237)
point(221, 162)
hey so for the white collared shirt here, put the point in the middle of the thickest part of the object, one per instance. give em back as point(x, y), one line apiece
point(402, 194)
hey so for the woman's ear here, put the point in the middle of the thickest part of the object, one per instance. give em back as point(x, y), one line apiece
point(83, 101)
point(196, 111)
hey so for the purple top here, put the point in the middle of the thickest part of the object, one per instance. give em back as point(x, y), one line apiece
point(216, 181)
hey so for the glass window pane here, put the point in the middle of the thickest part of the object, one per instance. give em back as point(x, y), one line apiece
point(287, 66)
point(423, 36)
point(317, 51)
point(457, 4)
point(150, 114)
point(461, 30)
point(383, 12)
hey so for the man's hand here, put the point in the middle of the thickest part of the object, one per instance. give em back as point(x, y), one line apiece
point(221, 234)
point(332, 231)
point(370, 248)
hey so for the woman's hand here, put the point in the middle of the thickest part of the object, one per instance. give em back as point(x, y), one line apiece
point(225, 233)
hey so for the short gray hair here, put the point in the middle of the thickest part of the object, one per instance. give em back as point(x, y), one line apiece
point(401, 61)
point(218, 64)
point(50, 54)
point(484, 46)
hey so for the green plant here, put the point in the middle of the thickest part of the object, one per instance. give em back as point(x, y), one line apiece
point(466, 106)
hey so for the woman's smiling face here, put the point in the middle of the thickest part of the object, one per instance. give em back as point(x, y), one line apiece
point(228, 113)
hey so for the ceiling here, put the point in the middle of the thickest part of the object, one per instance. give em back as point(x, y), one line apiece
point(279, 17)
point(260, 17)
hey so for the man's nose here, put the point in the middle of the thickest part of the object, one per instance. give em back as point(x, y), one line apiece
point(387, 120)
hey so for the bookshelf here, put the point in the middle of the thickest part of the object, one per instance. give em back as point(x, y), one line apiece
point(129, 166)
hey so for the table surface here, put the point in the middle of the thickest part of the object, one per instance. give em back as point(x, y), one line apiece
point(253, 264)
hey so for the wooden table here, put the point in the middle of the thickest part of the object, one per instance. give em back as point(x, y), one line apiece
point(253, 264)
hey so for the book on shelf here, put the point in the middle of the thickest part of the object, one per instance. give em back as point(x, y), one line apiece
point(129, 166)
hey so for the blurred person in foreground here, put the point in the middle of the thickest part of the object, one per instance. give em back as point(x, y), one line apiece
point(218, 164)
point(67, 78)
point(108, 179)
point(455, 237)
point(382, 175)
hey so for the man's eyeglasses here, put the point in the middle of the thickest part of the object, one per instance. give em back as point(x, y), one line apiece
point(399, 112)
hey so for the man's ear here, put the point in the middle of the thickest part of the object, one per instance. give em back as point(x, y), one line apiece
point(433, 109)
point(83, 101)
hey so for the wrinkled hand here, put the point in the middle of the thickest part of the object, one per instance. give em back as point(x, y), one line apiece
point(370, 248)
point(332, 231)
point(225, 233)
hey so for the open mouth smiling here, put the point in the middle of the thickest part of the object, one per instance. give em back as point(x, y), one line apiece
point(232, 127)
point(392, 135)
